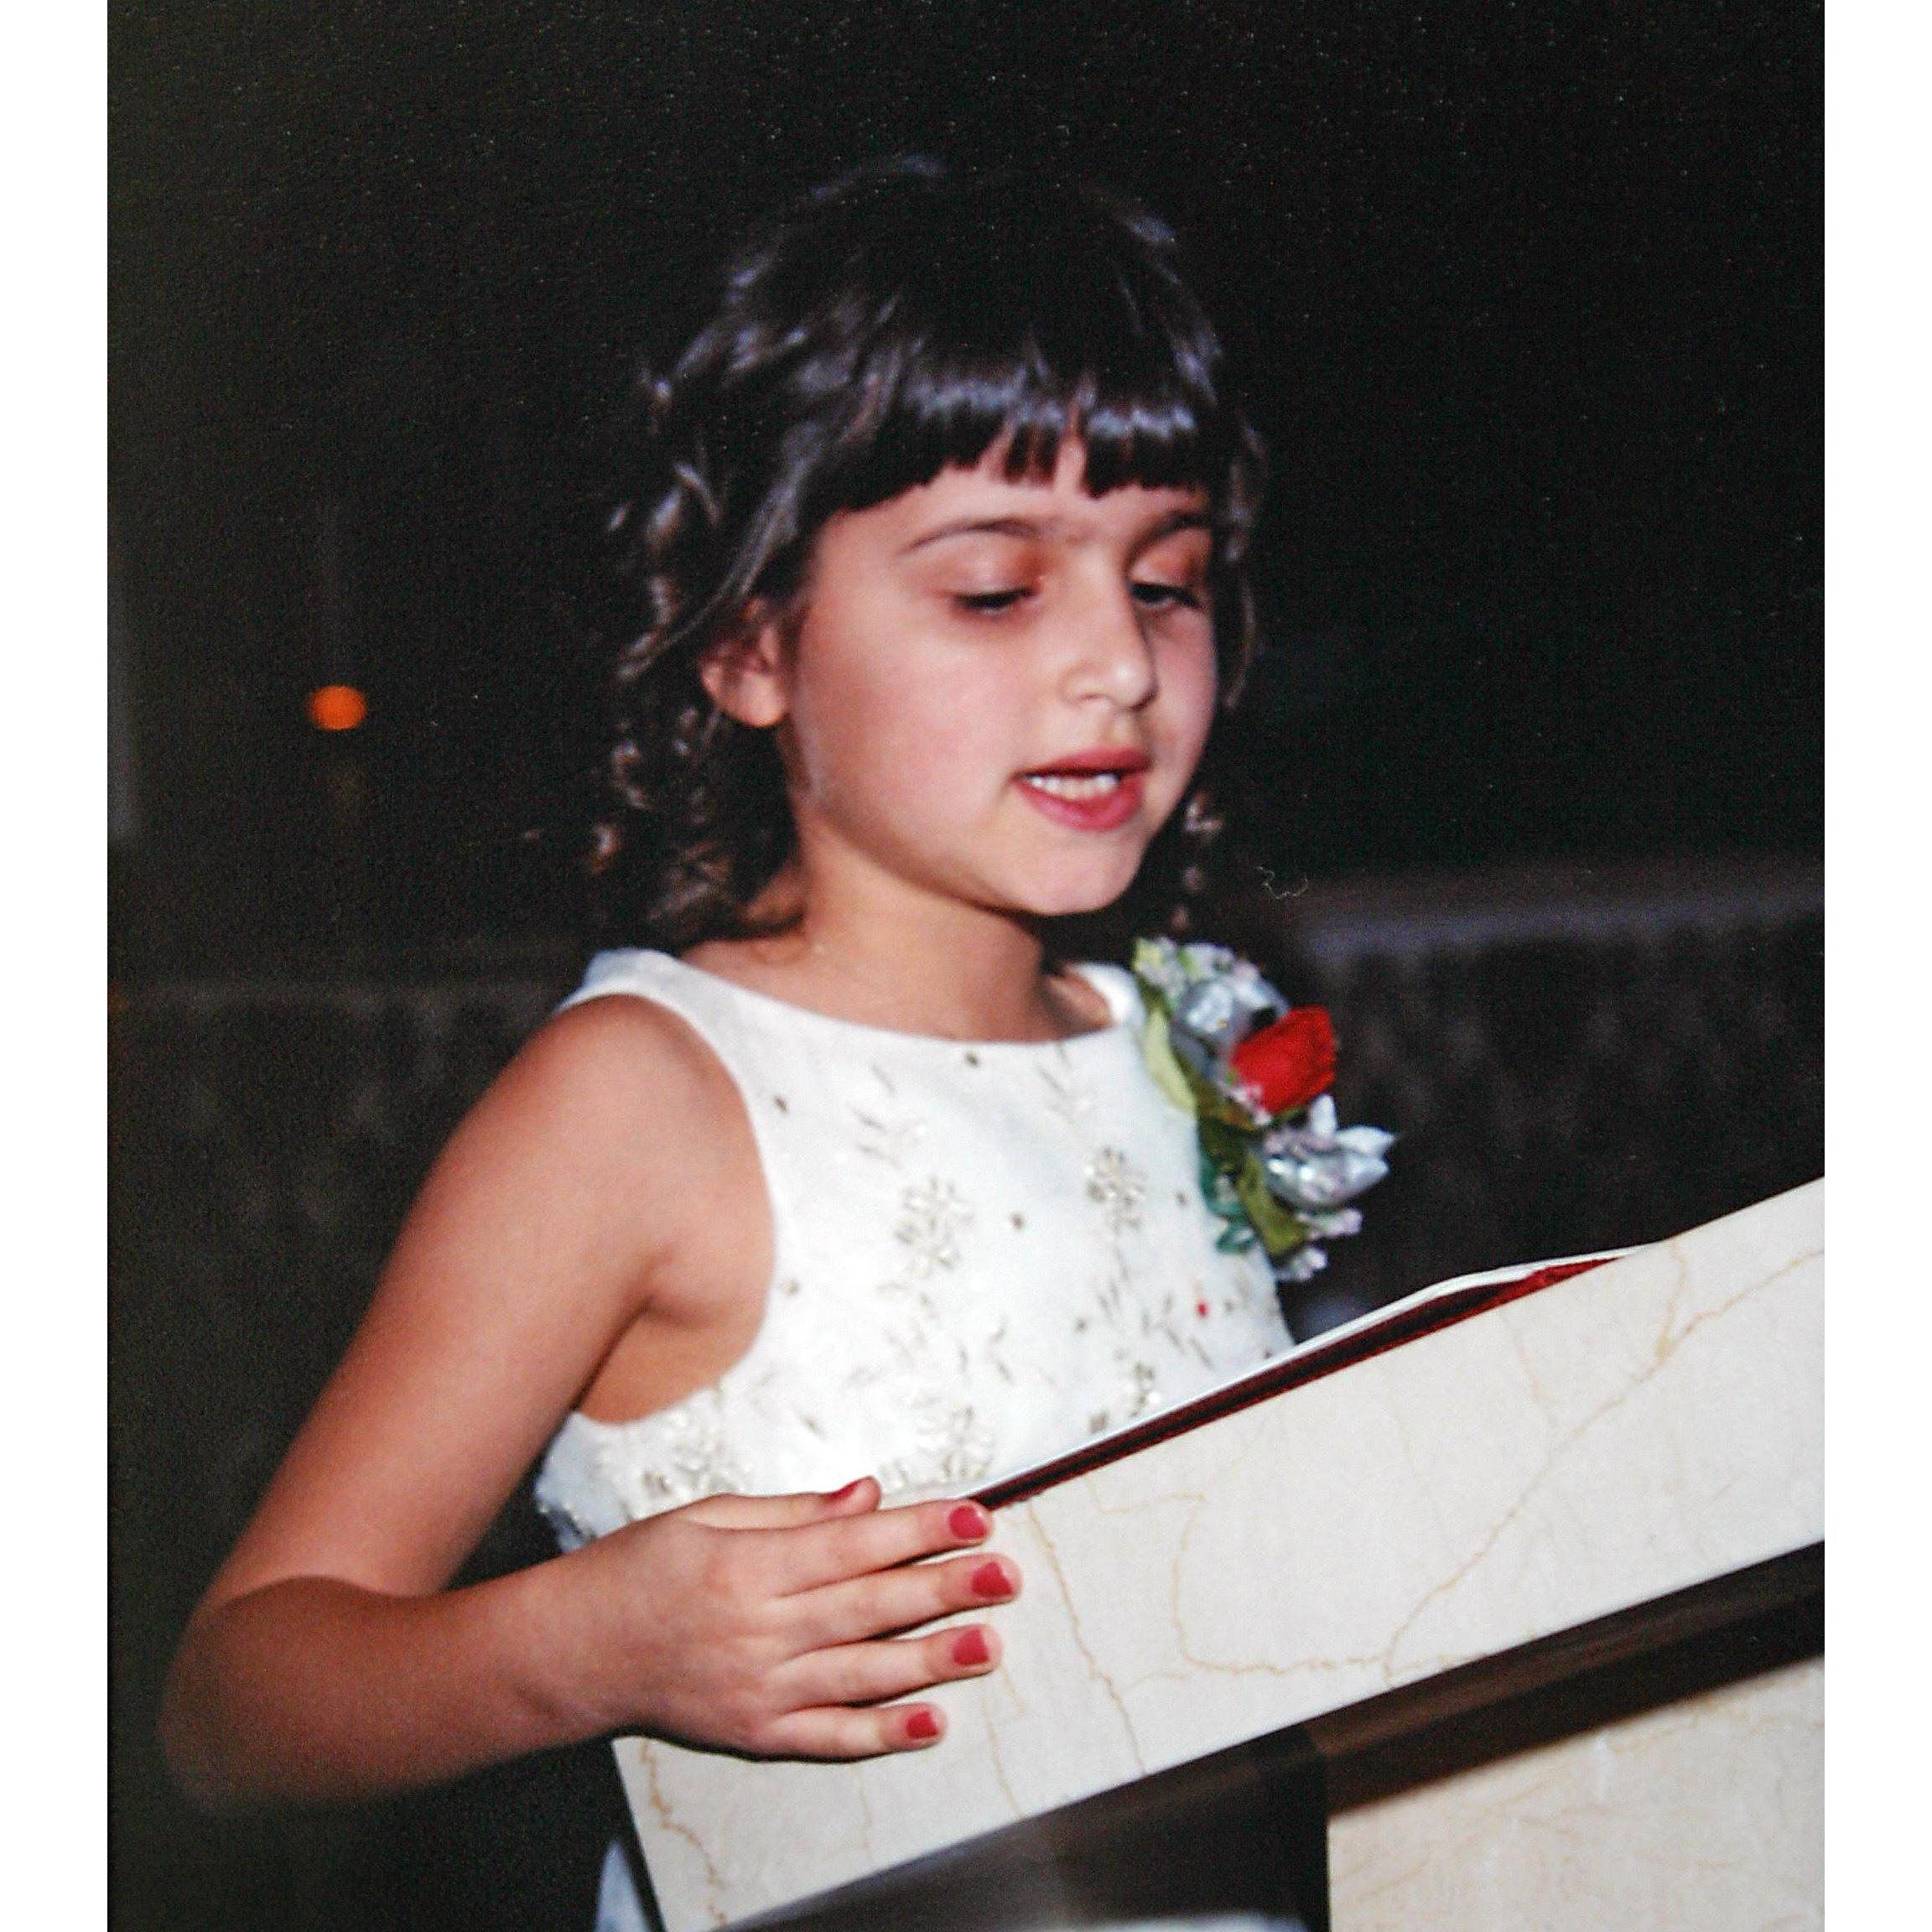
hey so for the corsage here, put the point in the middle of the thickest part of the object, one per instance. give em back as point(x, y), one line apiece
point(1254, 1072)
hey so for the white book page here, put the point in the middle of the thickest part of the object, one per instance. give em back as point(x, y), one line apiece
point(1215, 1397)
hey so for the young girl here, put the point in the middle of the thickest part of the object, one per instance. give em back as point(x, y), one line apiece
point(848, 1191)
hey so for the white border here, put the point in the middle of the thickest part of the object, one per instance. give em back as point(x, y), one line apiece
point(53, 1410)
point(1879, 707)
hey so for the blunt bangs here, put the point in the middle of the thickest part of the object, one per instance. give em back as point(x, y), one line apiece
point(908, 320)
point(999, 318)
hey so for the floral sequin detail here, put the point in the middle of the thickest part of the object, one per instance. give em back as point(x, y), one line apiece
point(688, 1458)
point(1065, 1096)
point(933, 1215)
point(885, 1129)
point(1117, 1187)
point(953, 1447)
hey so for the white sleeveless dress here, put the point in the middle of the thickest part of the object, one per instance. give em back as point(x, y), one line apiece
point(983, 1253)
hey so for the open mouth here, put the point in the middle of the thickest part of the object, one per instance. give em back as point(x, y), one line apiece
point(1076, 785)
point(1091, 791)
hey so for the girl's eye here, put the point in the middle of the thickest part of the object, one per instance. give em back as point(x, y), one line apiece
point(1157, 596)
point(990, 603)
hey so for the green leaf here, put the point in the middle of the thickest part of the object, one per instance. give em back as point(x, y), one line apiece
point(1169, 1076)
point(1222, 1144)
point(1282, 1231)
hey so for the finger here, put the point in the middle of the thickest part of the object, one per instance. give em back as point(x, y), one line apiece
point(787, 1512)
point(833, 1731)
point(869, 1607)
point(830, 1552)
point(871, 1672)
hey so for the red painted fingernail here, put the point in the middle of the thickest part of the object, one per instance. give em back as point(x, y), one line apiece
point(971, 1647)
point(842, 1495)
point(922, 1724)
point(990, 1580)
point(969, 1521)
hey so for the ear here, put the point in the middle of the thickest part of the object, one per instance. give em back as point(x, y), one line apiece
point(744, 671)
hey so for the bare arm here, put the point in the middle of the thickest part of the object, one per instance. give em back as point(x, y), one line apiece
point(329, 1659)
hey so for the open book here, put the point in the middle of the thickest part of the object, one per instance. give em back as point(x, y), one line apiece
point(1406, 1319)
point(1486, 1488)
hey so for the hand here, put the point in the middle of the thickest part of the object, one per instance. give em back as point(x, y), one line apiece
point(761, 1625)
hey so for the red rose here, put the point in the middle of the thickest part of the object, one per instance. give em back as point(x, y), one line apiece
point(1284, 1066)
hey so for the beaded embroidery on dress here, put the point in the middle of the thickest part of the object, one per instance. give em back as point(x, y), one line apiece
point(983, 1253)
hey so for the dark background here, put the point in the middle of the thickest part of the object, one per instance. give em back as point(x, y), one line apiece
point(1529, 295)
point(1530, 300)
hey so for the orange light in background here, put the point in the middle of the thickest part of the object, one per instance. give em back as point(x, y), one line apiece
point(337, 708)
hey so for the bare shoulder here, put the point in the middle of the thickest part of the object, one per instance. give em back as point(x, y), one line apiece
point(616, 1117)
point(622, 1050)
point(600, 1072)
point(572, 1225)
point(627, 1074)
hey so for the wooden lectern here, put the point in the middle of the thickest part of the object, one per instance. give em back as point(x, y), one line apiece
point(1515, 1587)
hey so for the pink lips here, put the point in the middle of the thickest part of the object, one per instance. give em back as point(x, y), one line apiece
point(1076, 799)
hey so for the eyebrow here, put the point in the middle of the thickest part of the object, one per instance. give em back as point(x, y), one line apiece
point(1032, 529)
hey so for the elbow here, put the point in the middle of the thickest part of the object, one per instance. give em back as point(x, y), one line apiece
point(197, 1744)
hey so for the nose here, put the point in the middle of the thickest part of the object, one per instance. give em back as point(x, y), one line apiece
point(1111, 658)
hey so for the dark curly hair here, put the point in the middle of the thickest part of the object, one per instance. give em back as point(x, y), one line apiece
point(903, 319)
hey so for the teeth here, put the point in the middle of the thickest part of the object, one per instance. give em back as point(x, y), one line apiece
point(1062, 785)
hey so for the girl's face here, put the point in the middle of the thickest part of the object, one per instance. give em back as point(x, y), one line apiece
point(998, 691)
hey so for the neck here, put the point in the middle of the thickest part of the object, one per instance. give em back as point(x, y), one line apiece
point(869, 948)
